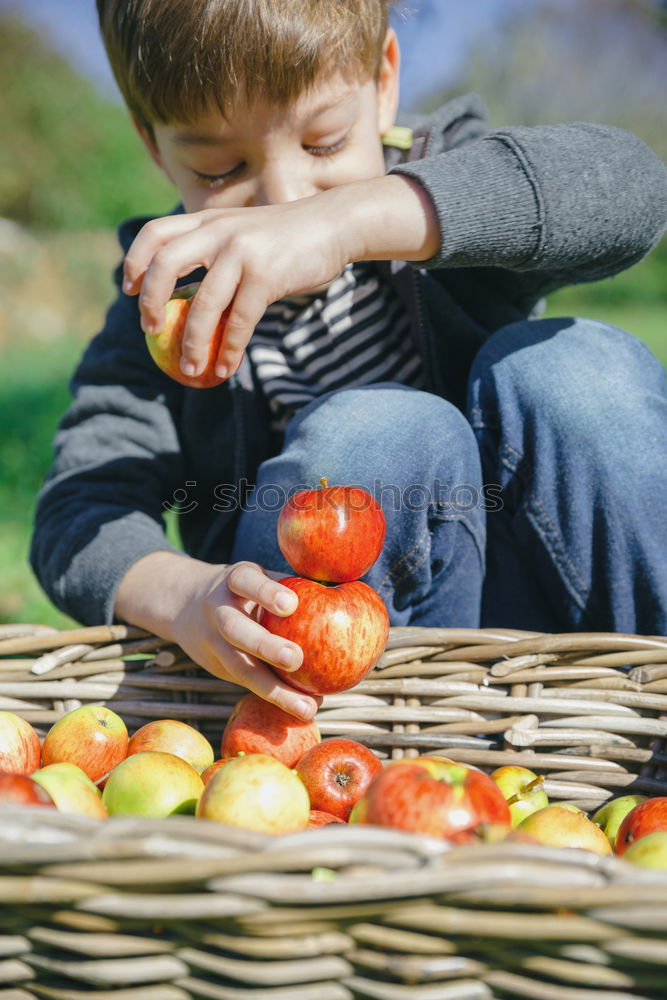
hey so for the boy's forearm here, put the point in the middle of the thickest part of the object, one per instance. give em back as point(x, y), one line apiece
point(155, 589)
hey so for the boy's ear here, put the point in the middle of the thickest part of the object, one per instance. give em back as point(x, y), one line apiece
point(387, 82)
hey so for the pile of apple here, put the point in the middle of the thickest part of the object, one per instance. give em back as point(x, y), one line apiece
point(276, 775)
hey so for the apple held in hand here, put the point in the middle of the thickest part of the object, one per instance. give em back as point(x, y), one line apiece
point(165, 347)
point(71, 790)
point(523, 790)
point(173, 736)
point(259, 726)
point(21, 790)
point(92, 737)
point(333, 534)
point(432, 797)
point(256, 792)
point(152, 783)
point(647, 817)
point(342, 631)
point(557, 826)
point(610, 816)
point(336, 774)
point(19, 745)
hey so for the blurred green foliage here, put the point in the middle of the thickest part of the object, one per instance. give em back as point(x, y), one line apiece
point(69, 159)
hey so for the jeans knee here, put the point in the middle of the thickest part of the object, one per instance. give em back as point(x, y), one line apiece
point(571, 370)
point(386, 427)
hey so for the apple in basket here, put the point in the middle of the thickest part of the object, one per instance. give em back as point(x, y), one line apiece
point(333, 534)
point(256, 792)
point(557, 826)
point(610, 816)
point(20, 751)
point(173, 736)
point(647, 817)
point(650, 851)
point(319, 818)
point(71, 790)
point(258, 726)
point(21, 790)
point(336, 774)
point(92, 737)
point(434, 797)
point(523, 790)
point(214, 768)
point(154, 784)
point(342, 631)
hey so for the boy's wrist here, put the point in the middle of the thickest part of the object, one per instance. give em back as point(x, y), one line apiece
point(154, 590)
point(387, 218)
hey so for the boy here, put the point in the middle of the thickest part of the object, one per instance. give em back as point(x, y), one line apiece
point(380, 334)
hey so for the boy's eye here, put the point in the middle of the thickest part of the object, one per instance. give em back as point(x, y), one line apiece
point(218, 180)
point(326, 150)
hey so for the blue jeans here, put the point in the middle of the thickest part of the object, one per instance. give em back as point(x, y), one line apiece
point(540, 508)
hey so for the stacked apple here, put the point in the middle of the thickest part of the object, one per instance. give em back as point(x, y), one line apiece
point(331, 536)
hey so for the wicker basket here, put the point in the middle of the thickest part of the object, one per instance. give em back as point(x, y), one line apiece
point(185, 909)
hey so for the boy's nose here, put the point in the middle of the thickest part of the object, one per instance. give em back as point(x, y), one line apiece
point(280, 185)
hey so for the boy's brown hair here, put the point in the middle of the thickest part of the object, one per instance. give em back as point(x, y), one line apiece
point(175, 59)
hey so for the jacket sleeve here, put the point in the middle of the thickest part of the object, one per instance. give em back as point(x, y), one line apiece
point(116, 459)
point(561, 203)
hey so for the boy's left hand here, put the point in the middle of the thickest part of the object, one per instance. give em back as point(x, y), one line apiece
point(256, 255)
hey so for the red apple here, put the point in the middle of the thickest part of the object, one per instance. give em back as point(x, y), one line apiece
point(19, 789)
point(256, 792)
point(333, 534)
point(650, 851)
point(173, 736)
point(208, 773)
point(258, 726)
point(71, 790)
point(319, 818)
point(19, 745)
point(556, 826)
point(342, 631)
point(152, 783)
point(647, 817)
point(336, 774)
point(610, 816)
point(523, 790)
point(92, 737)
point(165, 347)
point(432, 797)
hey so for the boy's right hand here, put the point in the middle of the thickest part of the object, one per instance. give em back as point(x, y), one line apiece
point(210, 611)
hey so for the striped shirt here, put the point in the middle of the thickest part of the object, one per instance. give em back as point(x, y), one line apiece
point(355, 332)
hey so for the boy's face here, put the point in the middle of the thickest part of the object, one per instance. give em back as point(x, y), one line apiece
point(263, 155)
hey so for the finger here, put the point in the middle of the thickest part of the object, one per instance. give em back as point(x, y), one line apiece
point(173, 259)
point(213, 296)
point(242, 632)
point(250, 581)
point(249, 306)
point(251, 673)
point(147, 242)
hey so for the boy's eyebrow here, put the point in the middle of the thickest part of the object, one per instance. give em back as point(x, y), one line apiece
point(212, 139)
point(199, 139)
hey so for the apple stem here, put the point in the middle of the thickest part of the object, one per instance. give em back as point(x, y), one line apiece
point(324, 481)
point(532, 786)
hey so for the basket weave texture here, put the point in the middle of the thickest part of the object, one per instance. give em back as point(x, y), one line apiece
point(181, 908)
